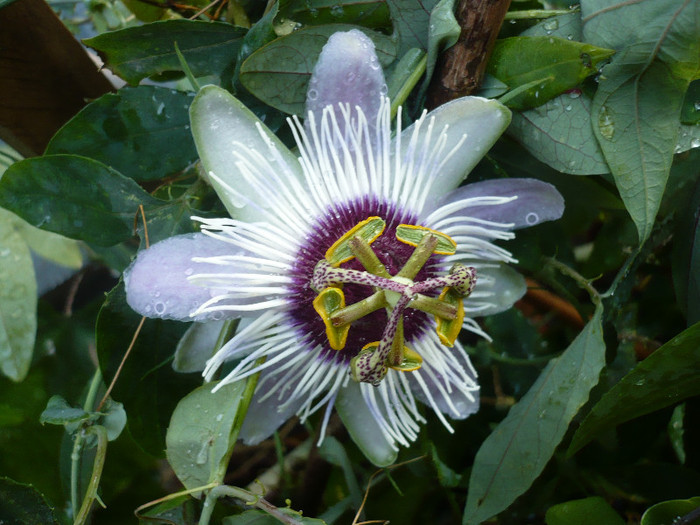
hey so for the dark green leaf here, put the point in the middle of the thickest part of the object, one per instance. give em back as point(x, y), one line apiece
point(59, 412)
point(637, 139)
point(668, 512)
point(258, 517)
point(177, 511)
point(278, 73)
point(147, 386)
point(137, 52)
point(23, 504)
point(18, 300)
point(443, 33)
point(199, 434)
point(141, 132)
point(686, 256)
point(559, 133)
point(114, 419)
point(410, 19)
point(373, 14)
point(548, 65)
point(583, 512)
point(690, 112)
point(668, 376)
point(517, 451)
point(332, 451)
point(74, 196)
point(676, 431)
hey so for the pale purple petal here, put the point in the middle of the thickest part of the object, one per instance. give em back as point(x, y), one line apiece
point(266, 416)
point(156, 282)
point(497, 289)
point(362, 425)
point(347, 72)
point(536, 201)
point(471, 126)
point(462, 406)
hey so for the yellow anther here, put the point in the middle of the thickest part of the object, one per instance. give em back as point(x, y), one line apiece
point(411, 234)
point(448, 329)
point(331, 300)
point(369, 230)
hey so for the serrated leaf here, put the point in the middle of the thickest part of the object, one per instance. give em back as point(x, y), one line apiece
point(637, 138)
point(668, 376)
point(74, 196)
point(199, 434)
point(521, 446)
point(583, 512)
point(137, 52)
point(549, 65)
point(147, 386)
point(668, 512)
point(18, 301)
point(59, 412)
point(20, 503)
point(279, 73)
point(559, 133)
point(141, 132)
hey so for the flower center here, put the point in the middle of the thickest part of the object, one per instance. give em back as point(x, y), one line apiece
point(395, 294)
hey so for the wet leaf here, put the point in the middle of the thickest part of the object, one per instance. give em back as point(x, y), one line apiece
point(59, 412)
point(18, 301)
point(583, 512)
point(690, 112)
point(676, 431)
point(668, 376)
point(20, 503)
point(199, 434)
point(668, 512)
point(113, 419)
point(141, 132)
point(559, 133)
point(74, 196)
point(373, 14)
point(137, 52)
point(518, 450)
point(410, 19)
point(549, 65)
point(279, 73)
point(686, 256)
point(637, 139)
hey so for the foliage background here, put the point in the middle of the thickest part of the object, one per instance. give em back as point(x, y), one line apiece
point(590, 386)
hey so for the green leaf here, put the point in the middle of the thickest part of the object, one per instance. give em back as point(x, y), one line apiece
point(517, 451)
point(114, 419)
point(279, 73)
point(690, 112)
point(18, 300)
point(550, 65)
point(332, 451)
point(51, 246)
point(137, 52)
point(676, 431)
point(20, 503)
point(668, 512)
point(147, 386)
point(199, 435)
point(559, 133)
point(198, 345)
point(73, 196)
point(443, 33)
point(411, 21)
point(685, 256)
point(141, 132)
point(583, 512)
point(372, 14)
point(258, 517)
point(637, 139)
point(59, 412)
point(668, 376)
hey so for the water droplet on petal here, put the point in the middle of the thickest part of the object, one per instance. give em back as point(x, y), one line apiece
point(160, 308)
point(532, 218)
point(312, 94)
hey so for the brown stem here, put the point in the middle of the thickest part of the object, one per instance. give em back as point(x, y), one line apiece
point(461, 68)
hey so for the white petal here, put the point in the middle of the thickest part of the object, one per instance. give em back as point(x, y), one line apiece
point(471, 125)
point(224, 130)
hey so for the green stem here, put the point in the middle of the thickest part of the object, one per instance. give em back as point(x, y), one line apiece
point(249, 498)
point(419, 257)
point(359, 309)
point(407, 73)
point(516, 92)
point(97, 466)
point(78, 444)
point(536, 13)
point(580, 280)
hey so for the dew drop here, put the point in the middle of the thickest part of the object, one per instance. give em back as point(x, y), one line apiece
point(312, 94)
point(574, 93)
point(551, 25)
point(567, 107)
point(219, 417)
point(532, 218)
point(697, 105)
point(203, 454)
point(189, 271)
point(695, 143)
point(160, 307)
